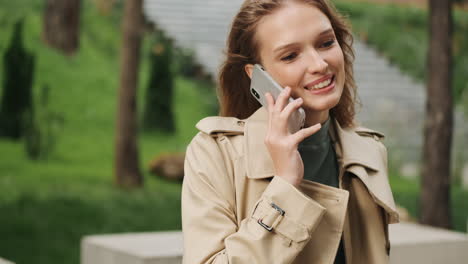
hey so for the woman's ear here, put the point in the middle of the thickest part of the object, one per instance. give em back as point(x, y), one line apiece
point(249, 69)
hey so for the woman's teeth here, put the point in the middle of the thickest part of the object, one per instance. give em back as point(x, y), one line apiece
point(320, 85)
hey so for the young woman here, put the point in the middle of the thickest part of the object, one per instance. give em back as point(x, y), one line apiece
point(254, 192)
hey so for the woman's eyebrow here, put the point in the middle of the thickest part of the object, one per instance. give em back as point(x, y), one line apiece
point(286, 46)
point(283, 47)
point(326, 31)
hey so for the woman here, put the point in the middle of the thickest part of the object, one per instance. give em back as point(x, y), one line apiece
point(255, 193)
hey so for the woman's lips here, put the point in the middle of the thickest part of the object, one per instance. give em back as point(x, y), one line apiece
point(321, 80)
point(324, 89)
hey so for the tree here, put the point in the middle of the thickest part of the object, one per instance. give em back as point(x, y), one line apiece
point(435, 194)
point(158, 113)
point(62, 25)
point(126, 160)
point(17, 85)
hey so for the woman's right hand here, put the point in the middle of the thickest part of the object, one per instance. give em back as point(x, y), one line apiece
point(281, 144)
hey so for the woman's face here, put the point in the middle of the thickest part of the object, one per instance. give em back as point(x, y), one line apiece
point(299, 49)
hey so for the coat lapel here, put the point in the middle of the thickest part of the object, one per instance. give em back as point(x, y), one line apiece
point(354, 149)
point(366, 158)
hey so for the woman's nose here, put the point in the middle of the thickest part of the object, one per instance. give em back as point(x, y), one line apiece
point(316, 63)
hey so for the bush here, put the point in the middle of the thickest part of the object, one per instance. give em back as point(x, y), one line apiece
point(17, 85)
point(158, 112)
point(42, 127)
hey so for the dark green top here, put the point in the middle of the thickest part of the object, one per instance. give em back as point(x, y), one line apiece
point(321, 165)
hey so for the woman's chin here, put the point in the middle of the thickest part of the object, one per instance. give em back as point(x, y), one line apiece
point(321, 104)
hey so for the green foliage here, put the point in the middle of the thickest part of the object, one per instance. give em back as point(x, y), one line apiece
point(185, 63)
point(18, 9)
point(401, 34)
point(50, 223)
point(158, 113)
point(407, 192)
point(42, 128)
point(17, 85)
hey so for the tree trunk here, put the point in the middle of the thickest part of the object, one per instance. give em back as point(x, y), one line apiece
point(62, 25)
point(126, 160)
point(435, 194)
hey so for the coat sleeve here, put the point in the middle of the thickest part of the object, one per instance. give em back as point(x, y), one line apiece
point(211, 232)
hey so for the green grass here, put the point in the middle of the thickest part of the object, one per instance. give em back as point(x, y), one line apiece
point(47, 206)
point(400, 33)
point(406, 193)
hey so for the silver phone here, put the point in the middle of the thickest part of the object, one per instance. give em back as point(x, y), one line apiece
point(262, 83)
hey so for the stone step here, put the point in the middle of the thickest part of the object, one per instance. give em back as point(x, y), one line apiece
point(411, 244)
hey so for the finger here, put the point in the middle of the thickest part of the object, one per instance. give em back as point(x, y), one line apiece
point(302, 134)
point(283, 99)
point(270, 101)
point(291, 107)
point(270, 106)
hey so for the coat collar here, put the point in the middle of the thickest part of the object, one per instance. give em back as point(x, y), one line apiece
point(351, 148)
point(358, 152)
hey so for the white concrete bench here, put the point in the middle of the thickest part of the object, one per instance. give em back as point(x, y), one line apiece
point(133, 248)
point(4, 261)
point(411, 243)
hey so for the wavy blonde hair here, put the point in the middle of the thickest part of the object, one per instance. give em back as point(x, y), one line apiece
point(242, 48)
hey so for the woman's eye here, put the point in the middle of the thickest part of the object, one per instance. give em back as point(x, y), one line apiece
point(328, 43)
point(289, 57)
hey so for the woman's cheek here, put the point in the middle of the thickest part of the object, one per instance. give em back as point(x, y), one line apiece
point(282, 78)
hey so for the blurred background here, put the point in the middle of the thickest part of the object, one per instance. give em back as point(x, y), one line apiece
point(99, 99)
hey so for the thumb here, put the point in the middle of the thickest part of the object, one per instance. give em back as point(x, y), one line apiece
point(302, 134)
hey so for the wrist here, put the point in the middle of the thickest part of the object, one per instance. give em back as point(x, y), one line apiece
point(293, 180)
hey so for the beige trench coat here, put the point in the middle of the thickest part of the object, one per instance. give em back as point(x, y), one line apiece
point(235, 210)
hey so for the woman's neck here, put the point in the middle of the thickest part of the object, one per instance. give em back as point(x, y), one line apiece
point(313, 118)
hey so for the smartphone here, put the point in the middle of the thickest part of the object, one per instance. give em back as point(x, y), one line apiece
point(262, 83)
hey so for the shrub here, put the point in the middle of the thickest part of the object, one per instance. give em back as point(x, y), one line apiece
point(42, 127)
point(158, 113)
point(17, 85)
